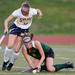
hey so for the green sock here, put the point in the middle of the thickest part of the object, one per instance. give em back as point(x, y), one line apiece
point(57, 67)
point(60, 66)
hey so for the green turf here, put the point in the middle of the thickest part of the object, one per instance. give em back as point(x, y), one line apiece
point(62, 54)
point(58, 15)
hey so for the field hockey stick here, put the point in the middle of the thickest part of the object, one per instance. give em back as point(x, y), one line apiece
point(2, 38)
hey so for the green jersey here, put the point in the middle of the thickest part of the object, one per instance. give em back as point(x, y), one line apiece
point(34, 52)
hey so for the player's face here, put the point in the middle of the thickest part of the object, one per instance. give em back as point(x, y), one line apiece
point(25, 10)
point(28, 45)
point(27, 41)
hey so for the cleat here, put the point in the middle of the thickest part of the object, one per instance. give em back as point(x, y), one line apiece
point(4, 66)
point(69, 65)
point(9, 66)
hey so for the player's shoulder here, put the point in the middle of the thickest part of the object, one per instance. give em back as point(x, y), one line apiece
point(17, 10)
point(33, 9)
point(37, 42)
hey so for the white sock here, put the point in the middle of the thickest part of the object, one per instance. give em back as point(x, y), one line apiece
point(14, 57)
point(7, 54)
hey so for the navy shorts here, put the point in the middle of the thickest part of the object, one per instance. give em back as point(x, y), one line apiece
point(17, 31)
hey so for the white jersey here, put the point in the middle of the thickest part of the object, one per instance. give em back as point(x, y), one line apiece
point(22, 21)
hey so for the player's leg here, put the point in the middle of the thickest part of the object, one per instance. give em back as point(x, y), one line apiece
point(50, 61)
point(11, 40)
point(17, 47)
point(15, 53)
point(63, 66)
point(53, 68)
point(8, 50)
point(49, 64)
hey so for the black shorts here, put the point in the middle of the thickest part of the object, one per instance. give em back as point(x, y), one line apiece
point(50, 53)
point(16, 30)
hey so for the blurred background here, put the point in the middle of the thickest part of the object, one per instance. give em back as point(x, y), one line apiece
point(58, 16)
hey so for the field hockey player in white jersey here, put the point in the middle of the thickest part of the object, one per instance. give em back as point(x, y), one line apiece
point(21, 25)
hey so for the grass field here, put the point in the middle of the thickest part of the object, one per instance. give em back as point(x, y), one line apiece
point(62, 54)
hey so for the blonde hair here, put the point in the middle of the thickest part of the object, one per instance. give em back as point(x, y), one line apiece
point(26, 3)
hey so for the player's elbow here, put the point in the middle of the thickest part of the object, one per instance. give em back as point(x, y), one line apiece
point(43, 56)
point(10, 18)
point(6, 22)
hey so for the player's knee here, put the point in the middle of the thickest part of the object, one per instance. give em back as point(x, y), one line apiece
point(50, 69)
point(10, 46)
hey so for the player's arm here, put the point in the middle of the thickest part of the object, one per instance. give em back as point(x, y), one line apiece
point(6, 22)
point(38, 46)
point(27, 57)
point(39, 13)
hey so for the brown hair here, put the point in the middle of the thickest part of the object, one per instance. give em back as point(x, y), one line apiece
point(31, 35)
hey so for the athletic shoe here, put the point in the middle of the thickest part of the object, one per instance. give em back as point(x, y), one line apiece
point(4, 66)
point(9, 66)
point(69, 65)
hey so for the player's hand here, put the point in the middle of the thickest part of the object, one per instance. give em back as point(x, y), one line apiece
point(38, 66)
point(39, 14)
point(36, 69)
point(6, 30)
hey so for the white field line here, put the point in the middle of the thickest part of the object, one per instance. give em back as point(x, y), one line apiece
point(65, 49)
point(63, 58)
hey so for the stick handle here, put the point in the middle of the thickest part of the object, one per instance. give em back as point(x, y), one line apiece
point(2, 38)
